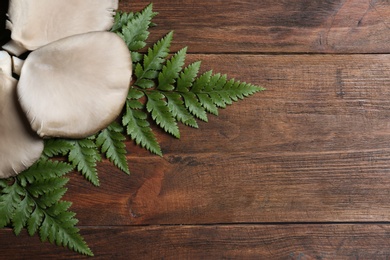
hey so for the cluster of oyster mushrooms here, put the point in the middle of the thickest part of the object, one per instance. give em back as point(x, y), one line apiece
point(73, 83)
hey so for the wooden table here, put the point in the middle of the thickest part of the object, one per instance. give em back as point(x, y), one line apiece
point(300, 171)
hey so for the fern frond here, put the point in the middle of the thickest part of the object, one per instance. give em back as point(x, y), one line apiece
point(48, 199)
point(120, 20)
point(22, 214)
point(56, 147)
point(111, 142)
point(194, 107)
point(152, 63)
point(133, 28)
point(44, 170)
point(216, 90)
point(157, 106)
point(187, 77)
point(58, 226)
point(84, 157)
point(35, 221)
point(32, 200)
point(170, 72)
point(9, 200)
point(138, 128)
point(40, 187)
point(179, 111)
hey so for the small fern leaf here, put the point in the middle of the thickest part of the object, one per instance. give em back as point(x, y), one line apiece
point(152, 62)
point(178, 110)
point(43, 170)
point(58, 226)
point(201, 82)
point(84, 157)
point(135, 30)
point(9, 200)
point(120, 20)
point(35, 221)
point(56, 147)
point(194, 107)
point(138, 128)
point(170, 72)
point(187, 77)
point(208, 103)
point(22, 214)
point(216, 82)
point(215, 91)
point(41, 187)
point(48, 199)
point(111, 142)
point(157, 106)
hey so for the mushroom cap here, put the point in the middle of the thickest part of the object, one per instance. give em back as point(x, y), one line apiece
point(5, 63)
point(39, 22)
point(76, 86)
point(20, 147)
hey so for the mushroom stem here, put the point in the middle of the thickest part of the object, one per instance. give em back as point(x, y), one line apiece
point(17, 65)
point(5, 63)
point(14, 48)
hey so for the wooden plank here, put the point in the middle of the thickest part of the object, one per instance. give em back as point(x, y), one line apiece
point(298, 242)
point(210, 188)
point(314, 148)
point(237, 26)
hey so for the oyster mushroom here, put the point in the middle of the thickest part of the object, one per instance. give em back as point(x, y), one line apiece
point(20, 147)
point(5, 63)
point(75, 86)
point(36, 23)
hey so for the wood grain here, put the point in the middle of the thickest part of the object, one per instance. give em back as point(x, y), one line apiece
point(300, 171)
point(299, 26)
point(292, 242)
point(301, 151)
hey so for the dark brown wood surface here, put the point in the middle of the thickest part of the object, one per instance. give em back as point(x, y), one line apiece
point(300, 171)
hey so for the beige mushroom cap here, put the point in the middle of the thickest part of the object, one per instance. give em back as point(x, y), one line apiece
point(36, 23)
point(76, 86)
point(20, 147)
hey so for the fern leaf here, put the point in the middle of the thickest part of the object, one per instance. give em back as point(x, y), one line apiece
point(35, 221)
point(170, 72)
point(201, 82)
point(192, 104)
point(187, 77)
point(135, 31)
point(44, 170)
point(138, 128)
point(207, 103)
point(22, 214)
point(84, 157)
point(9, 200)
point(55, 147)
point(215, 91)
point(58, 226)
point(111, 141)
point(178, 110)
point(120, 20)
point(133, 28)
point(48, 199)
point(161, 113)
point(40, 187)
point(152, 62)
